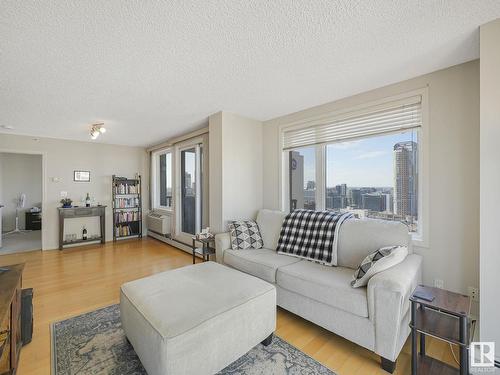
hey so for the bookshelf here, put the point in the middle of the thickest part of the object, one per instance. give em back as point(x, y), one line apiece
point(127, 207)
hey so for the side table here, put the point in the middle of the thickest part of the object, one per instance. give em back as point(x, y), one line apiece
point(446, 318)
point(205, 250)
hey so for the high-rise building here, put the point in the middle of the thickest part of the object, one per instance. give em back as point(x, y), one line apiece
point(355, 198)
point(405, 179)
point(374, 202)
point(341, 189)
point(296, 180)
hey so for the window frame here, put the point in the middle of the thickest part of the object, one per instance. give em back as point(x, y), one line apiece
point(155, 179)
point(421, 236)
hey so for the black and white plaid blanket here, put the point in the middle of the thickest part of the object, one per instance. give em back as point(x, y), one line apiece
point(311, 235)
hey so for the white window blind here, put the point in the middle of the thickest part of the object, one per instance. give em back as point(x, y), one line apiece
point(387, 118)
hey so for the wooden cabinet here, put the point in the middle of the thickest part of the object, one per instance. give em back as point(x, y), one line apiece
point(10, 318)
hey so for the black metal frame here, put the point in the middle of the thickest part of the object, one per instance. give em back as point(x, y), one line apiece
point(463, 340)
point(206, 249)
point(133, 181)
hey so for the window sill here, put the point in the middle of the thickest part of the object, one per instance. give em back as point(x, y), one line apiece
point(419, 241)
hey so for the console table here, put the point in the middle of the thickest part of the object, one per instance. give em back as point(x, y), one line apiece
point(77, 212)
point(10, 317)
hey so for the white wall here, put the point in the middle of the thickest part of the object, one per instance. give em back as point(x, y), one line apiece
point(453, 174)
point(19, 173)
point(490, 182)
point(235, 168)
point(60, 159)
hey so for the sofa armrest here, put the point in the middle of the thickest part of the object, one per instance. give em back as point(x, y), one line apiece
point(388, 303)
point(222, 243)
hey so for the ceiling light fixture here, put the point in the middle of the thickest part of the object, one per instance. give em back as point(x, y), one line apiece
point(96, 130)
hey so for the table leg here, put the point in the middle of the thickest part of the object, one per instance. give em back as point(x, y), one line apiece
point(194, 247)
point(414, 334)
point(464, 339)
point(422, 338)
point(103, 228)
point(61, 231)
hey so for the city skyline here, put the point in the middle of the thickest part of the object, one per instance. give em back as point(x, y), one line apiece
point(360, 163)
point(395, 198)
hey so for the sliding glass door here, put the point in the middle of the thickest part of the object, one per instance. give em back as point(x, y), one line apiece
point(190, 194)
point(189, 212)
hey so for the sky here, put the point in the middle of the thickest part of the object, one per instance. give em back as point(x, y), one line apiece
point(367, 162)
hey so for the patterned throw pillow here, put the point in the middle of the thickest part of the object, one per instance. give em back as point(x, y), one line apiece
point(245, 234)
point(378, 261)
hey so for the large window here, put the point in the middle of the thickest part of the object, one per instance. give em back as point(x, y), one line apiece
point(162, 169)
point(375, 177)
point(366, 162)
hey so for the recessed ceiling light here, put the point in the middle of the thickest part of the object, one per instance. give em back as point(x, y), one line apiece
point(7, 127)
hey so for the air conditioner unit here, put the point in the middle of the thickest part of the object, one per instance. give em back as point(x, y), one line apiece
point(158, 223)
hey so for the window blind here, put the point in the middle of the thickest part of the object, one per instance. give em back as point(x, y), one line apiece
point(387, 118)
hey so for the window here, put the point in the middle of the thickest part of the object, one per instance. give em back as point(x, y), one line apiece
point(366, 162)
point(375, 177)
point(162, 179)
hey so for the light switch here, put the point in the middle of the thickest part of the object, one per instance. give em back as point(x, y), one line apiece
point(64, 194)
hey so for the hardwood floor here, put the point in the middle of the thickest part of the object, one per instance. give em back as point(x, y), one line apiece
point(73, 281)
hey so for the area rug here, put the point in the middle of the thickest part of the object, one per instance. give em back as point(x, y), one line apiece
point(95, 343)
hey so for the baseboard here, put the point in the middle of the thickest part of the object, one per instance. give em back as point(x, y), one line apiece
point(171, 242)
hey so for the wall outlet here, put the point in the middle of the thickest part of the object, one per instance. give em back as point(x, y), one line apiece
point(438, 283)
point(473, 293)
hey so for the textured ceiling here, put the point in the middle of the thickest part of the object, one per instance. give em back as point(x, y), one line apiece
point(155, 69)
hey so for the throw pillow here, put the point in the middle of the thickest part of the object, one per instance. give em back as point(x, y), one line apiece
point(378, 261)
point(245, 234)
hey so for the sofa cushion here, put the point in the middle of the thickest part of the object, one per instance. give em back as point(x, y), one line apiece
point(261, 263)
point(329, 285)
point(358, 238)
point(269, 222)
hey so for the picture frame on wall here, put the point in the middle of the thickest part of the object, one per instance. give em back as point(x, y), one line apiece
point(81, 176)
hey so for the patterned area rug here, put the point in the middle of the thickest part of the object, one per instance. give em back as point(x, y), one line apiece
point(94, 343)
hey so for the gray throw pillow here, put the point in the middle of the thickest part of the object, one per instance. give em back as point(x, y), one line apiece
point(245, 234)
point(378, 261)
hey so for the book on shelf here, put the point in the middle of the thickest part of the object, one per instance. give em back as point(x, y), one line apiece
point(127, 202)
point(123, 188)
point(128, 216)
point(124, 230)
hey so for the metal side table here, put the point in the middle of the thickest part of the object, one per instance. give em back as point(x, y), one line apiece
point(445, 318)
point(205, 250)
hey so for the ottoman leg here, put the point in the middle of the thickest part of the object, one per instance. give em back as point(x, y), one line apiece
point(268, 340)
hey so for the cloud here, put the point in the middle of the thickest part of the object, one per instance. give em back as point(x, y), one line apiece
point(371, 154)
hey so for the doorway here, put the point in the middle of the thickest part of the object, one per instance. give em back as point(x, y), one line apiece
point(191, 193)
point(21, 199)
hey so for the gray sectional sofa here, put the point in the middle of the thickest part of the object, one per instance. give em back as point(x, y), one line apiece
point(375, 317)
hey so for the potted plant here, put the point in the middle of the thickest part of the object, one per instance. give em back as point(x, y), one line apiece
point(66, 202)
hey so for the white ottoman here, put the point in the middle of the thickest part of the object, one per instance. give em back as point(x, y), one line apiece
point(196, 319)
